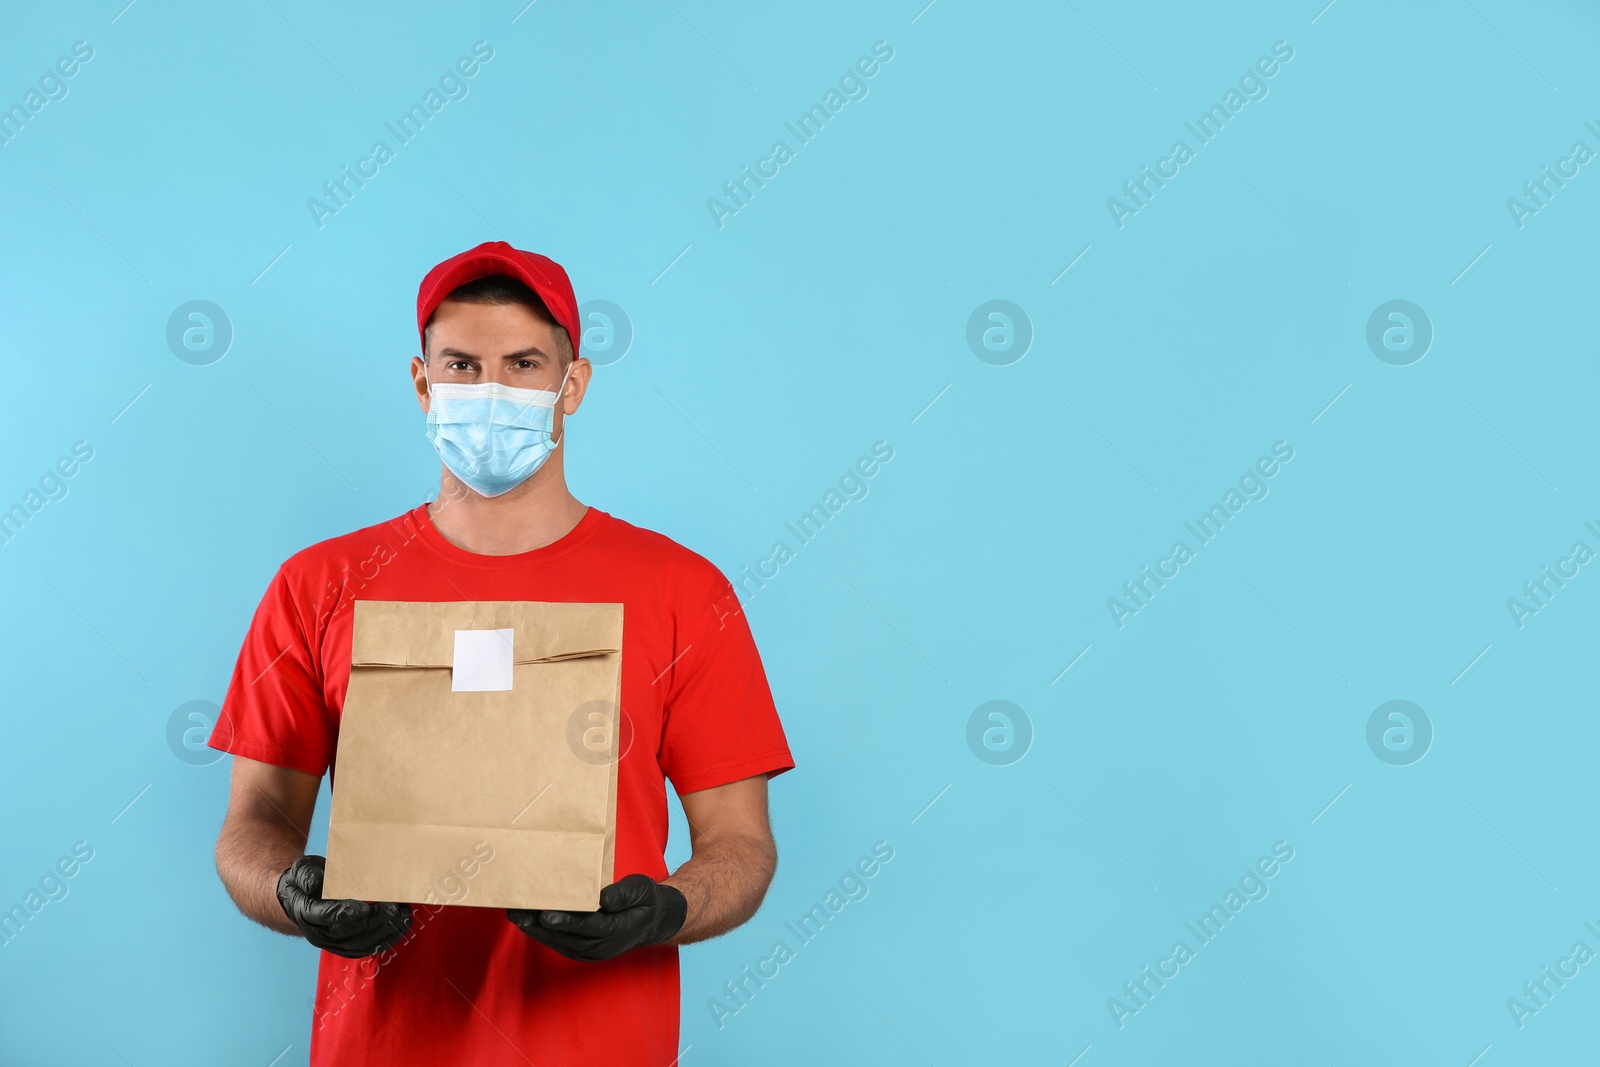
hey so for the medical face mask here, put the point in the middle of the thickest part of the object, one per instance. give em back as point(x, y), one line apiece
point(492, 437)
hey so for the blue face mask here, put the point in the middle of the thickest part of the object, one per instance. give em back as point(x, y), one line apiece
point(492, 437)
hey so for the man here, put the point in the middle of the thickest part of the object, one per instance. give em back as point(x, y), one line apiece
point(500, 373)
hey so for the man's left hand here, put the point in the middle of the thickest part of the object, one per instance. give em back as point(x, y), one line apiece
point(636, 911)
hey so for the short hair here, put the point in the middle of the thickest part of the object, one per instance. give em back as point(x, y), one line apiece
point(504, 289)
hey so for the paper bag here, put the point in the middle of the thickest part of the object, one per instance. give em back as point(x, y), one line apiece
point(478, 729)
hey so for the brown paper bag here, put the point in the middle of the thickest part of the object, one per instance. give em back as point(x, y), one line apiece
point(474, 729)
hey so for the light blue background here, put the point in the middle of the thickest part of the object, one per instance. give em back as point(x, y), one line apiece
point(825, 316)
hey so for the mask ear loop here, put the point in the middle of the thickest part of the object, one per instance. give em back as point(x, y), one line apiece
point(561, 391)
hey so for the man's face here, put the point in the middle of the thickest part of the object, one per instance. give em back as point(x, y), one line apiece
point(505, 343)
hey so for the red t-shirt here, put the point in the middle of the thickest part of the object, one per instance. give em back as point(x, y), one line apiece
point(466, 986)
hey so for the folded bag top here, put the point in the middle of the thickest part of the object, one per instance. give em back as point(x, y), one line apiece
point(393, 633)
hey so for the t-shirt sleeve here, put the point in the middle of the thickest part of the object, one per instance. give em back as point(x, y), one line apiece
point(720, 721)
point(274, 711)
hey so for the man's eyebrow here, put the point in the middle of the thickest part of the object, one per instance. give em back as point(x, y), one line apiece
point(525, 353)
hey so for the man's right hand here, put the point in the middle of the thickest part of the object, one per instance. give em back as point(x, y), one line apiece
point(349, 928)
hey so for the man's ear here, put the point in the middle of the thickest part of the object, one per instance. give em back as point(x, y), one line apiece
point(419, 381)
point(578, 375)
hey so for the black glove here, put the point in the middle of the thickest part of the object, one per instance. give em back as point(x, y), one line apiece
point(635, 911)
point(349, 928)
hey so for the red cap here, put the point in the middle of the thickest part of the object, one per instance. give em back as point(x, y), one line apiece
point(544, 276)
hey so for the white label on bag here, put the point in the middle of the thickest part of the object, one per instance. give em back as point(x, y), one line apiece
point(482, 662)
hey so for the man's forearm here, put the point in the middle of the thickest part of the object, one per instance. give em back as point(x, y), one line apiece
point(724, 883)
point(250, 857)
